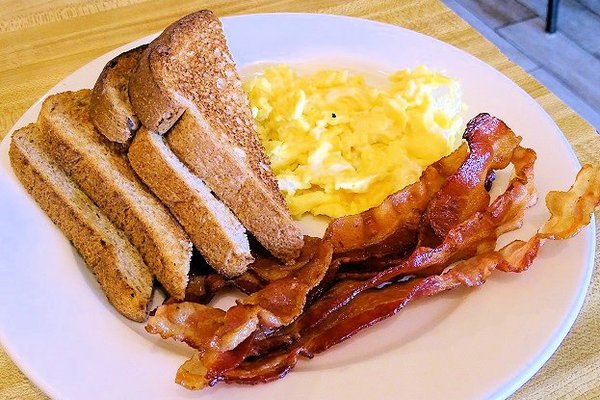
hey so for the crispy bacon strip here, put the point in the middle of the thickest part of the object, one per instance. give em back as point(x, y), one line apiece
point(392, 226)
point(569, 211)
point(192, 323)
point(572, 209)
point(491, 146)
point(375, 305)
point(447, 193)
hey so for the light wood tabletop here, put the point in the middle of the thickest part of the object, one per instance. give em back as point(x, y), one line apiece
point(41, 42)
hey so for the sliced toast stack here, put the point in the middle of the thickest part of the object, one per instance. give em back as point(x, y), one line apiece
point(160, 155)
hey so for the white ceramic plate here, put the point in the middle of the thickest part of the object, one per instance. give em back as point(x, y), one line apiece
point(482, 343)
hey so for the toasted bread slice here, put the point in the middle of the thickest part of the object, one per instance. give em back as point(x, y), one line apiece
point(189, 67)
point(106, 177)
point(215, 231)
point(117, 265)
point(223, 169)
point(110, 109)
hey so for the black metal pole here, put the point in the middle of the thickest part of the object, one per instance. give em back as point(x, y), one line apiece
point(551, 16)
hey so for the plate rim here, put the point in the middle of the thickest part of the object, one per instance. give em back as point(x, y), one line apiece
point(510, 386)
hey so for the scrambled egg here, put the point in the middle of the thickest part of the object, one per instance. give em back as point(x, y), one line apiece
point(339, 146)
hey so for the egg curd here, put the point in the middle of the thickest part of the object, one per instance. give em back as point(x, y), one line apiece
point(339, 146)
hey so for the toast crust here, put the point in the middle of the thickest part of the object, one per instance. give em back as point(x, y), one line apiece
point(110, 109)
point(106, 177)
point(117, 265)
point(214, 230)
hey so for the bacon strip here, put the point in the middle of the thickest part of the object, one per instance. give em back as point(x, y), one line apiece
point(572, 209)
point(580, 201)
point(376, 305)
point(192, 323)
point(491, 146)
point(392, 226)
point(569, 212)
point(449, 192)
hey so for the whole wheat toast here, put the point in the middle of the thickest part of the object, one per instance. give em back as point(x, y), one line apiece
point(214, 230)
point(117, 265)
point(224, 171)
point(110, 109)
point(188, 68)
point(105, 175)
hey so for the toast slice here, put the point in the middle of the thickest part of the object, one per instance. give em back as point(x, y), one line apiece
point(110, 109)
point(117, 265)
point(105, 175)
point(188, 68)
point(223, 169)
point(213, 228)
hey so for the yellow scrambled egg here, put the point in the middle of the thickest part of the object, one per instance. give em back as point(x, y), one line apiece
point(339, 146)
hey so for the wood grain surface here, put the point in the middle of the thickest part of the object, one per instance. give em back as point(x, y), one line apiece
point(41, 42)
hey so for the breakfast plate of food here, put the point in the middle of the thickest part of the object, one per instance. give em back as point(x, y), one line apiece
point(234, 201)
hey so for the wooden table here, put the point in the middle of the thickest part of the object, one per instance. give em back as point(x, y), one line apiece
point(42, 42)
